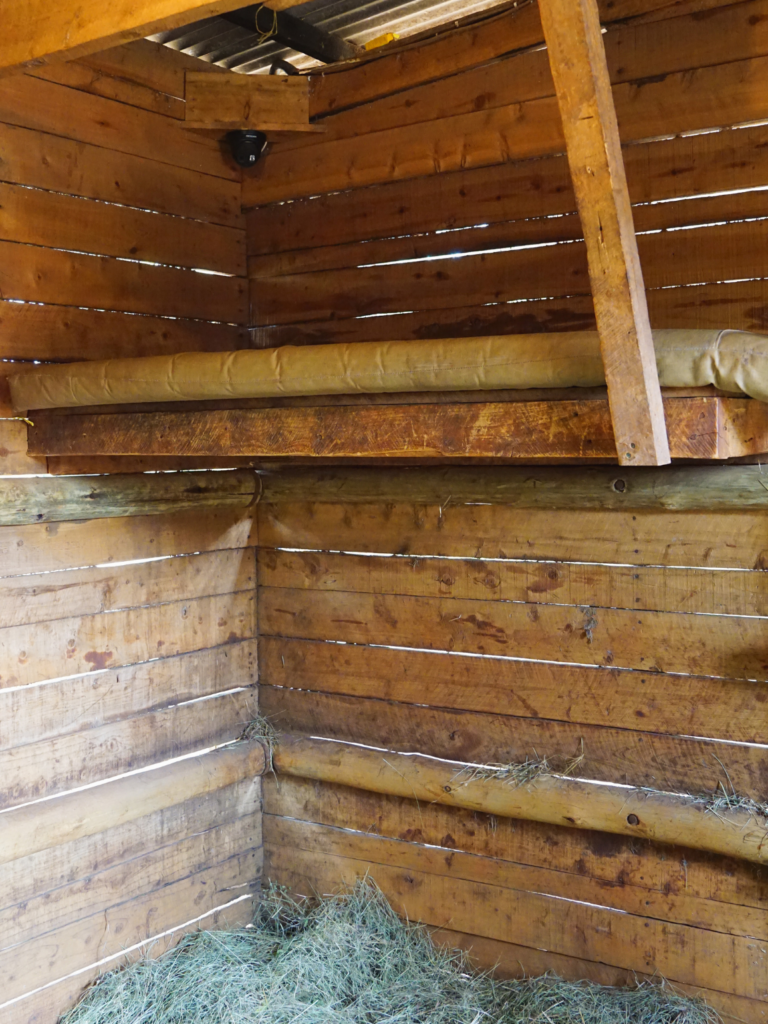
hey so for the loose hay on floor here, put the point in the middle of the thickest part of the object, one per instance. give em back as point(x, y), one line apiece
point(350, 960)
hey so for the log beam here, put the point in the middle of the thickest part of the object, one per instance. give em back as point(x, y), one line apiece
point(38, 31)
point(26, 500)
point(579, 67)
point(701, 428)
point(662, 817)
point(681, 489)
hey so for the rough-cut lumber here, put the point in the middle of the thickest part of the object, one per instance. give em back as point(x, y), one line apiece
point(35, 771)
point(37, 827)
point(645, 702)
point(36, 32)
point(700, 428)
point(45, 547)
point(719, 540)
point(689, 886)
point(674, 764)
point(423, 889)
point(726, 488)
point(48, 650)
point(72, 498)
point(13, 450)
point(268, 103)
point(89, 702)
point(559, 801)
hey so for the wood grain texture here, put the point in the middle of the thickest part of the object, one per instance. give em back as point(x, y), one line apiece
point(13, 449)
point(644, 702)
point(89, 702)
point(51, 546)
point(715, 540)
point(260, 102)
point(498, 912)
point(39, 770)
point(29, 830)
point(44, 275)
point(82, 644)
point(676, 874)
point(46, 499)
point(700, 428)
point(64, 222)
point(672, 764)
point(43, 159)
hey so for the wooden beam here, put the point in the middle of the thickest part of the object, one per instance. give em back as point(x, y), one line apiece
point(577, 58)
point(701, 428)
point(38, 31)
point(68, 499)
point(270, 103)
point(642, 813)
point(706, 488)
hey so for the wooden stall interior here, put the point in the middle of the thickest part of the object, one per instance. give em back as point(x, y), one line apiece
point(442, 579)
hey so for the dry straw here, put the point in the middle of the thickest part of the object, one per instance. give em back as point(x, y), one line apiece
point(349, 959)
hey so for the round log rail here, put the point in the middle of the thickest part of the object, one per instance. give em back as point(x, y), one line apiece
point(25, 500)
point(554, 800)
point(679, 489)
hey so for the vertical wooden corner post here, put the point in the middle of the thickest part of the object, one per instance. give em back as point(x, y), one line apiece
point(577, 58)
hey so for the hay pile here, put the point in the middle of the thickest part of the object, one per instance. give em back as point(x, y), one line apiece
point(350, 960)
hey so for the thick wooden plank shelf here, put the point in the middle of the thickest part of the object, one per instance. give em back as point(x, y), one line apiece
point(705, 427)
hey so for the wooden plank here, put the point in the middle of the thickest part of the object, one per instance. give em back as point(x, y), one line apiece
point(154, 65)
point(74, 31)
point(716, 540)
point(77, 75)
point(67, 333)
point(672, 764)
point(129, 880)
point(50, 500)
point(703, 489)
point(280, 102)
point(683, 101)
point(708, 428)
point(82, 644)
point(683, 876)
point(90, 812)
point(411, 63)
point(531, 919)
point(94, 591)
point(51, 546)
point(48, 107)
point(119, 464)
point(42, 275)
point(507, 960)
point(89, 702)
point(13, 449)
point(36, 771)
point(64, 222)
point(692, 591)
point(722, 919)
point(48, 161)
point(707, 254)
point(650, 641)
point(47, 1005)
point(647, 702)
point(61, 952)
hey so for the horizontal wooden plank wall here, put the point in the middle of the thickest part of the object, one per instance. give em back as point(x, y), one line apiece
point(488, 634)
point(124, 644)
point(467, 161)
point(121, 233)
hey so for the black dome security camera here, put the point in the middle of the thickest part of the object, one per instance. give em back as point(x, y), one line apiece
point(247, 147)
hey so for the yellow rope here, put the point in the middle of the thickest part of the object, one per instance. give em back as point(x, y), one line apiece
point(264, 36)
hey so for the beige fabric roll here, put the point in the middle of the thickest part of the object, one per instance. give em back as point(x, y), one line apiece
point(734, 361)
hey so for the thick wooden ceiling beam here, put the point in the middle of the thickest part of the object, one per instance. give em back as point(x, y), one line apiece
point(577, 58)
point(38, 31)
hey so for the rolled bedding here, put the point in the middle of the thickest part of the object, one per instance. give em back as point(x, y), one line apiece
point(733, 361)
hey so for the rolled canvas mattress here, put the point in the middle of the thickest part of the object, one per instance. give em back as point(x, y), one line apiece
point(733, 361)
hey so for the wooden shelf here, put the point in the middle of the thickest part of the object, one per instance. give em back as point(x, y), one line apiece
point(703, 427)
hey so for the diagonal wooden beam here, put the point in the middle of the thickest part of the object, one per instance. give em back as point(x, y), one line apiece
point(38, 31)
point(577, 58)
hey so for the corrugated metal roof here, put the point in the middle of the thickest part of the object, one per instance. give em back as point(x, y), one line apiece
point(220, 42)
